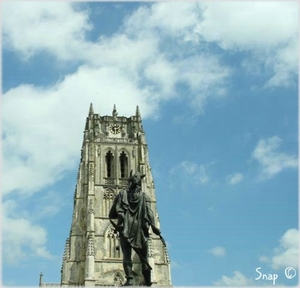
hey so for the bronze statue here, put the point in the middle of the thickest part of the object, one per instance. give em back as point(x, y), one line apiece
point(132, 209)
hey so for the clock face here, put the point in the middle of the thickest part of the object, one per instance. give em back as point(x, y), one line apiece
point(115, 128)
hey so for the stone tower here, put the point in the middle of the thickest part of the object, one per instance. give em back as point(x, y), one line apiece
point(112, 147)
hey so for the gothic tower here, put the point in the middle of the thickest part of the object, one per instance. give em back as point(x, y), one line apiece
point(112, 146)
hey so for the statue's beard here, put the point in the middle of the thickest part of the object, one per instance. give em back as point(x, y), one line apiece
point(134, 185)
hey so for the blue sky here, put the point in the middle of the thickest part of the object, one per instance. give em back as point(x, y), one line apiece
point(217, 87)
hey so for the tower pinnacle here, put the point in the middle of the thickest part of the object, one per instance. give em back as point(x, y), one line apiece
point(91, 111)
point(115, 113)
point(41, 279)
point(138, 113)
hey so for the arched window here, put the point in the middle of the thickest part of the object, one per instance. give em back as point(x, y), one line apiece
point(113, 244)
point(109, 158)
point(108, 199)
point(123, 165)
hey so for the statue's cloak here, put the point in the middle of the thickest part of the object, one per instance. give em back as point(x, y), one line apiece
point(138, 216)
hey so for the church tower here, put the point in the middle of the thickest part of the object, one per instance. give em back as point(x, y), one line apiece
point(112, 147)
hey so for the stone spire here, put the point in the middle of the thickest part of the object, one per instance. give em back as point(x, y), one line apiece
point(138, 113)
point(41, 279)
point(115, 113)
point(139, 119)
point(91, 111)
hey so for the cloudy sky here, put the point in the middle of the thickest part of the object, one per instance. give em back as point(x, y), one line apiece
point(217, 87)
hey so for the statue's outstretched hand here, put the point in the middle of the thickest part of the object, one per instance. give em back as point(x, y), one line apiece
point(155, 230)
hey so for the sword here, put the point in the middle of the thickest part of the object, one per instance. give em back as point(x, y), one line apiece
point(163, 240)
point(157, 232)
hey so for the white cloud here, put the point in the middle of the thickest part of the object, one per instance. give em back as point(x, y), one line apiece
point(233, 26)
point(287, 253)
point(217, 251)
point(238, 279)
point(164, 74)
point(197, 173)
point(269, 30)
point(235, 178)
point(131, 56)
point(285, 65)
point(271, 160)
point(147, 66)
point(21, 238)
point(249, 25)
point(137, 55)
point(206, 78)
point(54, 27)
point(33, 27)
point(175, 19)
point(35, 145)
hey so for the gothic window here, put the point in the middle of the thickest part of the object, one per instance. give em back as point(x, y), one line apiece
point(123, 165)
point(109, 158)
point(113, 244)
point(108, 199)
